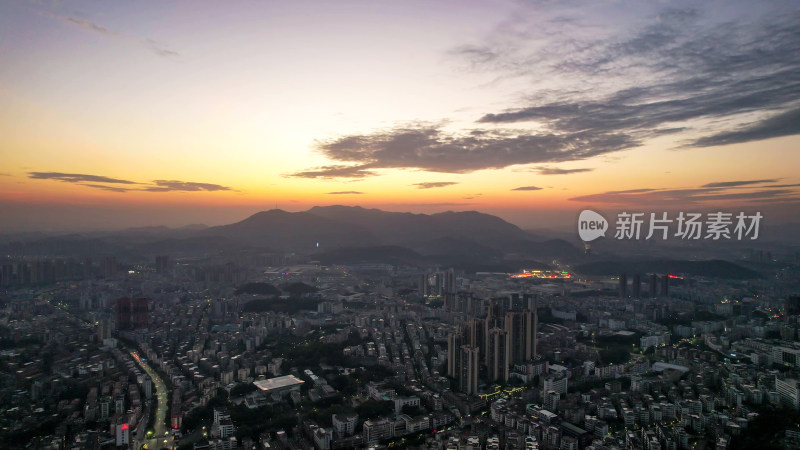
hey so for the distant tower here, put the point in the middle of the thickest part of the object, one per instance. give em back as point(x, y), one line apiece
point(793, 306)
point(664, 286)
point(651, 285)
point(637, 286)
point(131, 313)
point(535, 332)
point(450, 282)
point(109, 267)
point(162, 265)
point(623, 285)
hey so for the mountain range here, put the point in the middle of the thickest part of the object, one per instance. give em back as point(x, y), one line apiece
point(350, 232)
point(469, 240)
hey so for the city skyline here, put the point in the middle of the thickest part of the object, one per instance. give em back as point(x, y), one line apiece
point(117, 115)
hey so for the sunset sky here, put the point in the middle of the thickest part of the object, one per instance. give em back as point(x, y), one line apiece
point(117, 114)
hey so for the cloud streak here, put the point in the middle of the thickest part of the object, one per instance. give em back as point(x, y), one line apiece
point(159, 49)
point(150, 44)
point(346, 193)
point(335, 171)
point(527, 188)
point(719, 184)
point(102, 182)
point(434, 184)
point(751, 190)
point(556, 171)
point(89, 25)
point(188, 186)
point(76, 178)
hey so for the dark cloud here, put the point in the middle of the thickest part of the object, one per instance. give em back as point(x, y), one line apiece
point(76, 178)
point(344, 193)
point(174, 185)
point(686, 70)
point(527, 188)
point(784, 124)
point(738, 183)
point(427, 147)
point(434, 184)
point(674, 71)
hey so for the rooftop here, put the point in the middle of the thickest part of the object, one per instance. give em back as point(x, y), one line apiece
point(272, 384)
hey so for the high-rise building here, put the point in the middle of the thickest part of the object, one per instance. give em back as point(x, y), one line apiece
point(556, 383)
point(664, 286)
point(468, 370)
point(636, 287)
point(450, 282)
point(476, 337)
point(623, 285)
point(788, 391)
point(499, 355)
point(162, 265)
point(123, 314)
point(793, 306)
point(109, 267)
point(131, 313)
point(520, 328)
point(651, 285)
point(103, 329)
point(123, 435)
point(551, 399)
point(454, 342)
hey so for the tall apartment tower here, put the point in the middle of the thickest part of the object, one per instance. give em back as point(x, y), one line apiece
point(521, 332)
point(468, 370)
point(623, 285)
point(454, 342)
point(476, 337)
point(499, 355)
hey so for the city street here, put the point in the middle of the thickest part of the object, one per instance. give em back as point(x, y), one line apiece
point(160, 437)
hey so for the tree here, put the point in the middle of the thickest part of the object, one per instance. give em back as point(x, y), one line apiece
point(371, 409)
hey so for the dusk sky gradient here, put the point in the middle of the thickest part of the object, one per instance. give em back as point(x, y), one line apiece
point(117, 114)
